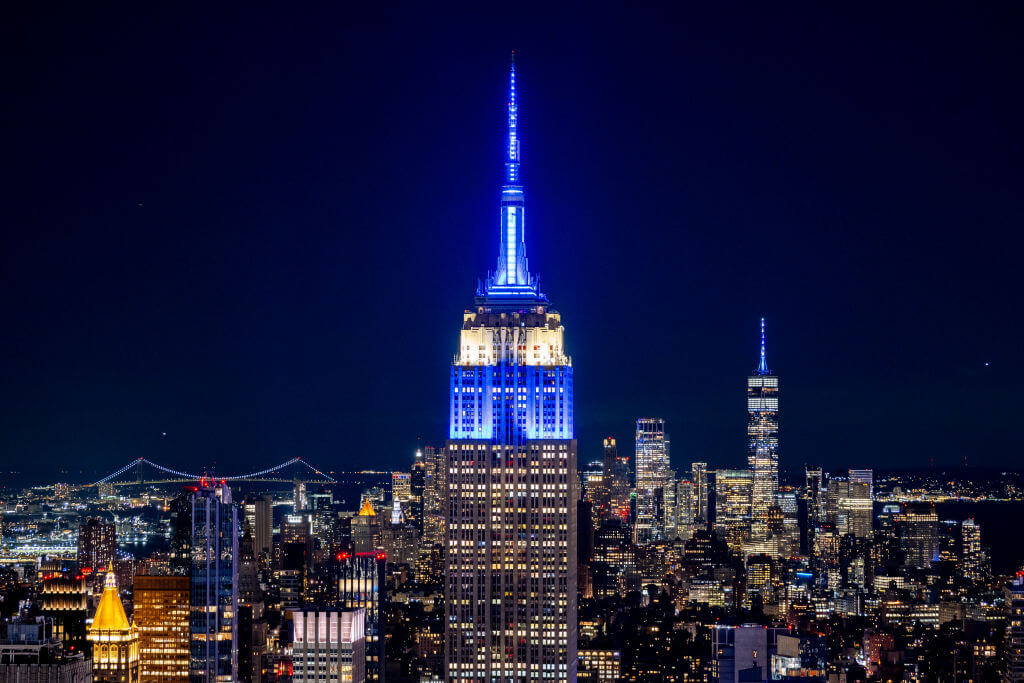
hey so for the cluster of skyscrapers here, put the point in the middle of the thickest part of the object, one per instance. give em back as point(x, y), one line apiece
point(496, 558)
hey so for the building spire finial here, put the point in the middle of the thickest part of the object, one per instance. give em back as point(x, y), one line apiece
point(512, 155)
point(762, 367)
point(512, 282)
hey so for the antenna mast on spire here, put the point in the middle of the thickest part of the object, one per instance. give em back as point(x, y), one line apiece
point(762, 367)
point(512, 160)
point(511, 282)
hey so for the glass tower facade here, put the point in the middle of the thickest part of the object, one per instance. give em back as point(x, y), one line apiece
point(616, 472)
point(214, 585)
point(362, 586)
point(762, 443)
point(652, 472)
point(510, 572)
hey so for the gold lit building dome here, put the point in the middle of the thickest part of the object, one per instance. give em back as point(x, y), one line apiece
point(367, 509)
point(115, 641)
point(110, 614)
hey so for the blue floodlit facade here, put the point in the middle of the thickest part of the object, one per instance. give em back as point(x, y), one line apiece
point(511, 379)
point(510, 565)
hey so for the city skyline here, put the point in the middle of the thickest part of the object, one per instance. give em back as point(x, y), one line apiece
point(774, 241)
point(190, 304)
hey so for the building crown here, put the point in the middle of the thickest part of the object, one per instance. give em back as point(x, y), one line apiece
point(511, 282)
point(110, 615)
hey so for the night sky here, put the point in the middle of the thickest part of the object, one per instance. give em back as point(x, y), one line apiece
point(256, 231)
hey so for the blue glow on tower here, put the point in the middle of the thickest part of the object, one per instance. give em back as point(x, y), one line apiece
point(512, 161)
point(762, 367)
point(512, 278)
point(511, 379)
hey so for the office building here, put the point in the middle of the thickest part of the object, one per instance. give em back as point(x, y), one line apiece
point(361, 586)
point(699, 477)
point(213, 522)
point(296, 530)
point(30, 653)
point(733, 490)
point(417, 487)
point(743, 653)
point(814, 494)
point(97, 543)
point(511, 565)
point(366, 528)
point(600, 665)
point(974, 561)
point(787, 532)
point(652, 471)
point(799, 657)
point(595, 491)
point(762, 442)
point(66, 605)
point(435, 497)
point(320, 500)
point(686, 509)
point(670, 514)
point(180, 509)
point(1014, 671)
point(616, 473)
point(856, 505)
point(259, 519)
point(161, 616)
point(918, 527)
point(115, 641)
point(328, 646)
point(401, 487)
point(614, 558)
point(300, 500)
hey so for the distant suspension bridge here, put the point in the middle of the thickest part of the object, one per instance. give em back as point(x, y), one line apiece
point(301, 471)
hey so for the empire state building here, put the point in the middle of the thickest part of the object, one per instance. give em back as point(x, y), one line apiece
point(510, 573)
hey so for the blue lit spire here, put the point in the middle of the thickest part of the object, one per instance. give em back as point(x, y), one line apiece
point(762, 367)
point(511, 281)
point(512, 159)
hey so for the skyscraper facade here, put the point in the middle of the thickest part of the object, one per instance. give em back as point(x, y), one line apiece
point(417, 484)
point(856, 506)
point(595, 491)
point(361, 586)
point(762, 443)
point(430, 567)
point(434, 495)
point(65, 601)
point(616, 472)
point(97, 541)
point(972, 552)
point(258, 516)
point(213, 622)
point(699, 477)
point(162, 618)
point(918, 525)
point(1014, 671)
point(652, 471)
point(814, 494)
point(686, 509)
point(366, 527)
point(328, 646)
point(732, 507)
point(511, 565)
point(401, 487)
